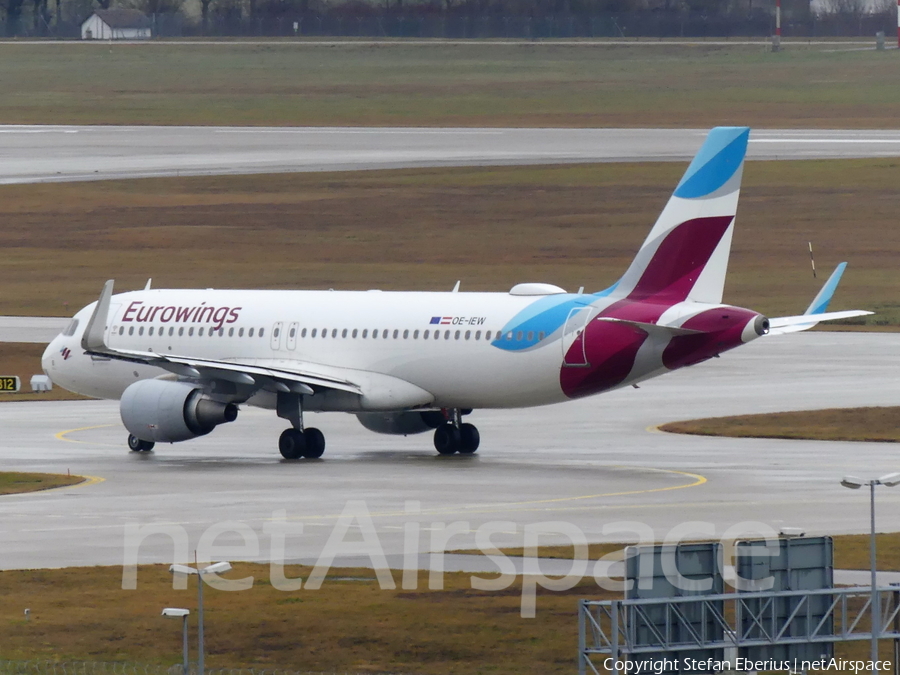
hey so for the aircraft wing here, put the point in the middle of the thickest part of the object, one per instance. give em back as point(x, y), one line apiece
point(277, 375)
point(816, 311)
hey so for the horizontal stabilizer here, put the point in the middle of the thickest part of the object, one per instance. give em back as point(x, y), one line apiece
point(653, 329)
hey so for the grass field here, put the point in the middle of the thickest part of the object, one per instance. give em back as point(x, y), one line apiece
point(424, 229)
point(841, 424)
point(16, 483)
point(350, 625)
point(304, 83)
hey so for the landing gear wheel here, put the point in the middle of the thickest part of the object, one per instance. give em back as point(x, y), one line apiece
point(315, 443)
point(446, 439)
point(292, 444)
point(135, 444)
point(469, 439)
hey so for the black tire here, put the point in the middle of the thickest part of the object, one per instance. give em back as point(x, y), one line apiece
point(315, 443)
point(136, 444)
point(469, 439)
point(446, 439)
point(147, 446)
point(291, 444)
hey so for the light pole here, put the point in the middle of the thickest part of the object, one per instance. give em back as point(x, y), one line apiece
point(183, 613)
point(854, 483)
point(215, 568)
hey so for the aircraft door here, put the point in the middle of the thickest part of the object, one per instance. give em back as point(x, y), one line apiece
point(276, 335)
point(293, 327)
point(574, 354)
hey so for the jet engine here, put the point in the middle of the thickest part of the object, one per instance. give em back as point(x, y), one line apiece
point(166, 411)
point(402, 423)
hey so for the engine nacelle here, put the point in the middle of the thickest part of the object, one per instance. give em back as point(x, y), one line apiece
point(166, 412)
point(402, 423)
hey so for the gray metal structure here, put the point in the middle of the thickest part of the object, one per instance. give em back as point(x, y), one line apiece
point(608, 629)
point(675, 571)
point(801, 564)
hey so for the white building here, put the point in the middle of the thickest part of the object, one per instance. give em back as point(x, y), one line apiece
point(116, 24)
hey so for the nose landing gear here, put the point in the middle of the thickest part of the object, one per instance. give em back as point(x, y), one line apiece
point(456, 436)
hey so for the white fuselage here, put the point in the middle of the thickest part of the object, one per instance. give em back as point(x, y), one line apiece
point(468, 350)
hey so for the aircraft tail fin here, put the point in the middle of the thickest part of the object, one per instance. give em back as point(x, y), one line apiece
point(685, 256)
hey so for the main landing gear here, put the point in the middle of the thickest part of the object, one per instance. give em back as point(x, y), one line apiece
point(135, 444)
point(456, 436)
point(294, 443)
point(297, 441)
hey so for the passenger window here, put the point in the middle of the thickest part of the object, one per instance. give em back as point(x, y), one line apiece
point(334, 332)
point(141, 330)
point(303, 333)
point(293, 332)
point(541, 335)
point(487, 336)
point(181, 331)
point(415, 335)
point(121, 330)
point(275, 334)
point(200, 332)
point(385, 334)
point(150, 332)
point(374, 333)
point(406, 335)
point(354, 332)
point(250, 333)
point(425, 335)
point(456, 337)
point(231, 332)
point(365, 332)
point(477, 334)
point(191, 331)
point(241, 332)
point(468, 334)
point(314, 331)
point(171, 331)
point(344, 333)
point(396, 333)
point(261, 331)
point(131, 330)
point(324, 332)
point(446, 334)
point(530, 335)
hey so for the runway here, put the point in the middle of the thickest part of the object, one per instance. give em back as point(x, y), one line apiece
point(592, 464)
point(31, 154)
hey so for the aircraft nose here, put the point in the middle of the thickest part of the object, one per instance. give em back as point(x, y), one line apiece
point(47, 359)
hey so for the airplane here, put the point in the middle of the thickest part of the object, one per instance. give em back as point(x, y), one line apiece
point(183, 361)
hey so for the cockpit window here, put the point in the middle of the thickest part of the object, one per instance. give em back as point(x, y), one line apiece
point(71, 328)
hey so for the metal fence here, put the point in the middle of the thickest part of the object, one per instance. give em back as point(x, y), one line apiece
point(107, 668)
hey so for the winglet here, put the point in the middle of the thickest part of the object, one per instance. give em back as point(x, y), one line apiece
point(93, 338)
point(816, 311)
point(820, 302)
